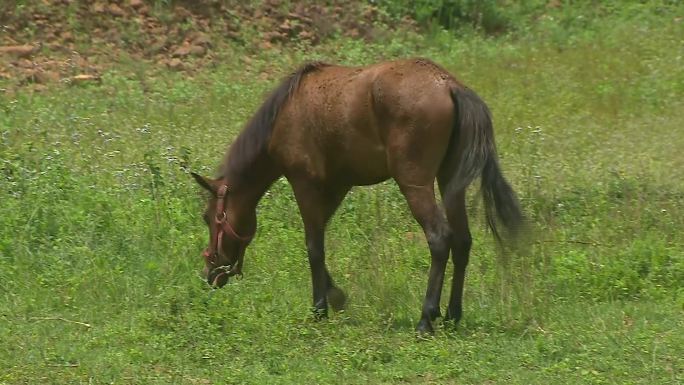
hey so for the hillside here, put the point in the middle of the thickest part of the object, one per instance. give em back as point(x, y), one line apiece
point(66, 40)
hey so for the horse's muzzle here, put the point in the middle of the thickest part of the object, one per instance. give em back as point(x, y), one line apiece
point(217, 279)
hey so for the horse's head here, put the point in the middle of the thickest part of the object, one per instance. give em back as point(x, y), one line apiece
point(224, 255)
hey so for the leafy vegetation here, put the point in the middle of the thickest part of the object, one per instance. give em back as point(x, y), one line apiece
point(100, 227)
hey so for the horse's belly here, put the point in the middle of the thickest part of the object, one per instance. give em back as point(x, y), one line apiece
point(362, 165)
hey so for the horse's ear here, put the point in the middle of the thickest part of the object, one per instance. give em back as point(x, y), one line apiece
point(208, 184)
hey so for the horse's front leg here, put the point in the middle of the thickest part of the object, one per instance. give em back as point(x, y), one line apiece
point(317, 204)
point(319, 273)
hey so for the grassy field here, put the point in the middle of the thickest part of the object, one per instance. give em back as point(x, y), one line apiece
point(101, 229)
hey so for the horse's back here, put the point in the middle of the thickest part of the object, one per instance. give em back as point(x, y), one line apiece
point(358, 124)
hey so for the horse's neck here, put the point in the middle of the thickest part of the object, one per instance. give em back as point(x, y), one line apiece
point(247, 185)
point(248, 192)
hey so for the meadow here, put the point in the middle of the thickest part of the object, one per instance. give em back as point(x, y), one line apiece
point(101, 229)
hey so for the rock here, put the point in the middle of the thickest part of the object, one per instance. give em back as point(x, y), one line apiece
point(201, 39)
point(38, 87)
point(273, 37)
point(300, 17)
point(197, 50)
point(44, 77)
point(20, 51)
point(67, 36)
point(306, 35)
point(85, 78)
point(98, 8)
point(135, 4)
point(182, 13)
point(24, 63)
point(112, 35)
point(29, 76)
point(182, 51)
point(80, 61)
point(157, 47)
point(115, 10)
point(233, 35)
point(56, 47)
point(175, 64)
point(286, 27)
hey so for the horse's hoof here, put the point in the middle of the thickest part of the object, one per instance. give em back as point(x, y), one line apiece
point(453, 316)
point(449, 324)
point(319, 314)
point(424, 328)
point(336, 298)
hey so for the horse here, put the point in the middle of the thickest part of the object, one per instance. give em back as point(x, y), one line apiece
point(327, 128)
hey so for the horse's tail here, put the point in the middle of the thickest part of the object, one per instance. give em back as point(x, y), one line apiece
point(473, 139)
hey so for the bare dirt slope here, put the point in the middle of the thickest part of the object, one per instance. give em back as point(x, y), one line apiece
point(48, 41)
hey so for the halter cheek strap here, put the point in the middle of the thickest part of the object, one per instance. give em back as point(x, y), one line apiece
point(223, 227)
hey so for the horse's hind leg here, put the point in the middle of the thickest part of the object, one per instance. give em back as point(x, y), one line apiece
point(460, 247)
point(421, 200)
point(317, 204)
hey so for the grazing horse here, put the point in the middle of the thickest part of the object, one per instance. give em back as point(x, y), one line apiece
point(327, 128)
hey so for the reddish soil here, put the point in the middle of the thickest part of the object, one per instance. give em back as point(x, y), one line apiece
point(76, 40)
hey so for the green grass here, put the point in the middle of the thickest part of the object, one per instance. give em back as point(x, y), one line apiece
point(100, 223)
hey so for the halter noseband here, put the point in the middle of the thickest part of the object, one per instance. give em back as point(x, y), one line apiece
point(215, 250)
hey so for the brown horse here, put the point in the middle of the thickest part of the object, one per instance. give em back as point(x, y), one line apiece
point(327, 128)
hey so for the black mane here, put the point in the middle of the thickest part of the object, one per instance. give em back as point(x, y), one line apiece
point(254, 138)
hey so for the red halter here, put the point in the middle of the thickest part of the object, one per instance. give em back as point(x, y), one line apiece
point(224, 227)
